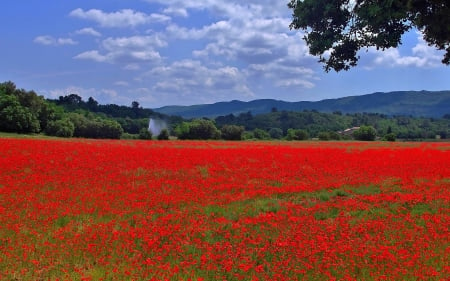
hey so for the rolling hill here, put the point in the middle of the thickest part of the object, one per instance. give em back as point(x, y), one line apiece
point(415, 103)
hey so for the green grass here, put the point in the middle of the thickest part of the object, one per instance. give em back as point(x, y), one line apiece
point(247, 208)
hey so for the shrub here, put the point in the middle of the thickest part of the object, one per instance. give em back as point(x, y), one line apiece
point(261, 134)
point(297, 134)
point(163, 135)
point(276, 133)
point(145, 134)
point(389, 137)
point(232, 132)
point(60, 128)
point(365, 133)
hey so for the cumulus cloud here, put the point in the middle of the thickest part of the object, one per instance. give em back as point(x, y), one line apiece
point(231, 9)
point(126, 50)
point(181, 12)
point(89, 31)
point(92, 55)
point(421, 56)
point(194, 79)
point(52, 41)
point(242, 46)
point(122, 18)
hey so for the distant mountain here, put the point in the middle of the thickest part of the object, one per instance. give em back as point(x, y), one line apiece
point(415, 103)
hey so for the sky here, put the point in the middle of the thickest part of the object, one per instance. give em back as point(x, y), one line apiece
point(184, 52)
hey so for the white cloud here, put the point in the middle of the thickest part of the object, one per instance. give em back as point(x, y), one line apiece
point(127, 50)
point(88, 31)
point(122, 18)
point(121, 83)
point(52, 41)
point(422, 56)
point(92, 55)
point(231, 9)
point(199, 82)
point(241, 48)
point(181, 12)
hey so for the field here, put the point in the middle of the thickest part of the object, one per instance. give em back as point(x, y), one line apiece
point(179, 210)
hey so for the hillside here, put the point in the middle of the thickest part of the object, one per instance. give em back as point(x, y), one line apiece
point(415, 103)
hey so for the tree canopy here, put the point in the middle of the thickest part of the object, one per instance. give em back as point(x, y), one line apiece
point(337, 29)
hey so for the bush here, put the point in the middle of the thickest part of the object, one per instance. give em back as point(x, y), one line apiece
point(276, 133)
point(232, 132)
point(199, 129)
point(389, 137)
point(145, 134)
point(164, 135)
point(297, 134)
point(365, 133)
point(324, 136)
point(60, 128)
point(261, 134)
point(97, 128)
point(16, 118)
point(128, 136)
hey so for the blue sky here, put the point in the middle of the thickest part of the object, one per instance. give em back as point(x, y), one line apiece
point(183, 52)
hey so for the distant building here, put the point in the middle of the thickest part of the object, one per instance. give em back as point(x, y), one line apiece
point(348, 132)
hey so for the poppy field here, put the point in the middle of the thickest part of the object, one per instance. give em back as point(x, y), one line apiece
point(188, 210)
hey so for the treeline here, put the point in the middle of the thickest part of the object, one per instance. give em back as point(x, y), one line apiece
point(24, 111)
point(276, 125)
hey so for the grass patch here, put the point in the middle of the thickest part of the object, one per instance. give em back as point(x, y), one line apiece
point(331, 213)
point(365, 190)
point(246, 208)
point(422, 208)
point(204, 171)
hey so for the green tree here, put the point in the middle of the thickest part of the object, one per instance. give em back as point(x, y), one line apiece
point(182, 130)
point(325, 136)
point(16, 118)
point(145, 134)
point(261, 134)
point(297, 134)
point(389, 137)
point(276, 133)
point(365, 133)
point(163, 135)
point(232, 132)
point(201, 129)
point(60, 128)
point(344, 27)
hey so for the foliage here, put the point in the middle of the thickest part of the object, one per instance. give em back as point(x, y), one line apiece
point(95, 127)
point(132, 126)
point(261, 134)
point(365, 133)
point(389, 137)
point(60, 128)
point(145, 134)
point(404, 127)
point(16, 118)
point(200, 129)
point(24, 111)
point(330, 135)
point(232, 132)
point(337, 29)
point(163, 135)
point(297, 134)
point(276, 133)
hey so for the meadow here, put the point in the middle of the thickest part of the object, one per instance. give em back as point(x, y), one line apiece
point(190, 210)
